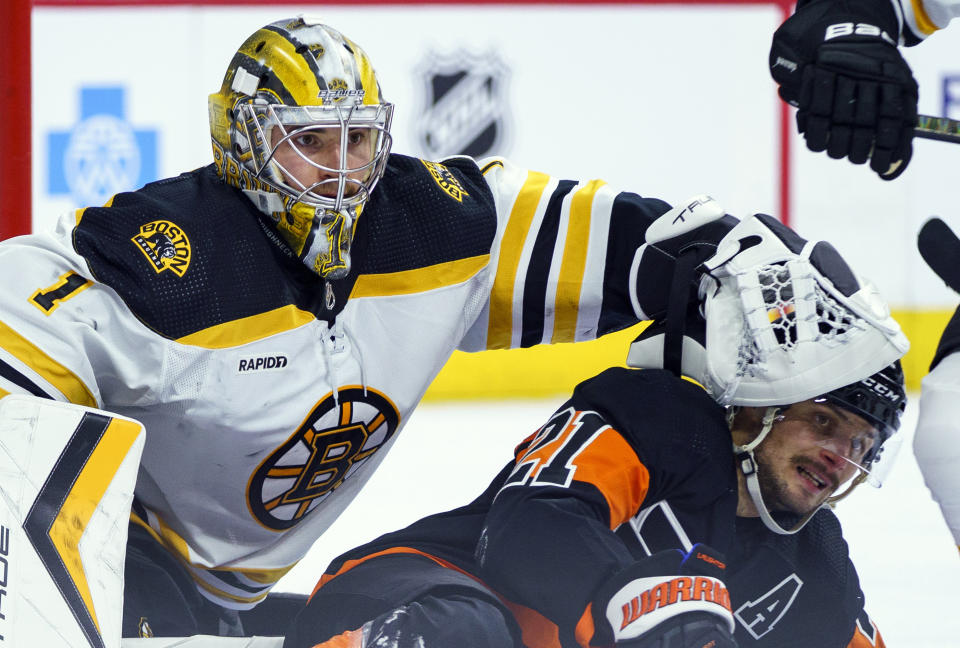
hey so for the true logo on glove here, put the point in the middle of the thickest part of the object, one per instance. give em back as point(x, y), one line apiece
point(676, 590)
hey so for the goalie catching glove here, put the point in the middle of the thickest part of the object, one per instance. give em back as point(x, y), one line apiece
point(669, 600)
point(782, 319)
point(856, 97)
point(687, 235)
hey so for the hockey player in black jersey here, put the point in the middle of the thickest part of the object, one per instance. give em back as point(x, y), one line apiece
point(646, 514)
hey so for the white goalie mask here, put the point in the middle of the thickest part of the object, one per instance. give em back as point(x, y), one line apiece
point(780, 320)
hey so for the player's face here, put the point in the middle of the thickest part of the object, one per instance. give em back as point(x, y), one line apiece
point(812, 449)
point(310, 157)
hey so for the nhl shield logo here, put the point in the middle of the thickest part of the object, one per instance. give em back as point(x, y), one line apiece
point(465, 108)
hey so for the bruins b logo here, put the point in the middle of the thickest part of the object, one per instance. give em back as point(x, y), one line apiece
point(330, 445)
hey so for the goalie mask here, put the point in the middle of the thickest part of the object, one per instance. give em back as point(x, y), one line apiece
point(780, 320)
point(300, 126)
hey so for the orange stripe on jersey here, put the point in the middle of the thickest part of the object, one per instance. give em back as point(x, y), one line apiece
point(606, 461)
point(348, 639)
point(537, 630)
point(350, 564)
point(610, 464)
point(574, 262)
point(861, 640)
point(585, 629)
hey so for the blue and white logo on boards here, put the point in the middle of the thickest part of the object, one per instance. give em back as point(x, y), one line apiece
point(102, 153)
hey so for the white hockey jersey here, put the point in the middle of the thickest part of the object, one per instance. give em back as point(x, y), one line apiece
point(920, 18)
point(269, 396)
point(936, 443)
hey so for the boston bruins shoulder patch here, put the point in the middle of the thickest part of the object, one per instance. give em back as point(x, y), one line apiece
point(165, 245)
point(446, 180)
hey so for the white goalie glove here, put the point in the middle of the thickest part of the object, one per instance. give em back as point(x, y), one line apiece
point(780, 320)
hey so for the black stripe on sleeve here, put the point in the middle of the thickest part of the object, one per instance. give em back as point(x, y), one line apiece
point(21, 381)
point(538, 270)
point(630, 217)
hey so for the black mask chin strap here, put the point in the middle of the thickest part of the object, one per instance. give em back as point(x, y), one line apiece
point(678, 303)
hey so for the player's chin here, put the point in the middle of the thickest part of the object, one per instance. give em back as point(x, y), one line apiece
point(802, 498)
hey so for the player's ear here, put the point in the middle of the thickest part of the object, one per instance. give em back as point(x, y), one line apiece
point(745, 423)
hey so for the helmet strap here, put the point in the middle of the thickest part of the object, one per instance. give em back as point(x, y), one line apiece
point(685, 266)
point(747, 463)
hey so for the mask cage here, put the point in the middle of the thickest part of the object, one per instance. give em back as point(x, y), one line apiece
point(784, 306)
point(294, 121)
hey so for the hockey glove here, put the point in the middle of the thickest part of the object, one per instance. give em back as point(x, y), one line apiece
point(669, 600)
point(686, 235)
point(856, 97)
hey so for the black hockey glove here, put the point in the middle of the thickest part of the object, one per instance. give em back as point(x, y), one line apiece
point(686, 235)
point(669, 600)
point(837, 61)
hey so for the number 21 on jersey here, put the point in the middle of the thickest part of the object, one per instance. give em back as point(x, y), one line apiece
point(548, 459)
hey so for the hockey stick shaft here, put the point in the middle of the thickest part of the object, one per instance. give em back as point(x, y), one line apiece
point(940, 248)
point(938, 128)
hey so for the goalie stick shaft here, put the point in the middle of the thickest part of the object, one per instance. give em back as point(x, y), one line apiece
point(938, 128)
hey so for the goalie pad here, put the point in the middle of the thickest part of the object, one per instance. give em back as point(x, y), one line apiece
point(67, 475)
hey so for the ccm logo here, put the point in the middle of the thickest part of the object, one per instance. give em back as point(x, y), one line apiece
point(673, 591)
point(4, 569)
point(262, 363)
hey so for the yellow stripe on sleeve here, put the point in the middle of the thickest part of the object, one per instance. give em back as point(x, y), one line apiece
point(64, 380)
point(500, 326)
point(924, 22)
point(574, 262)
